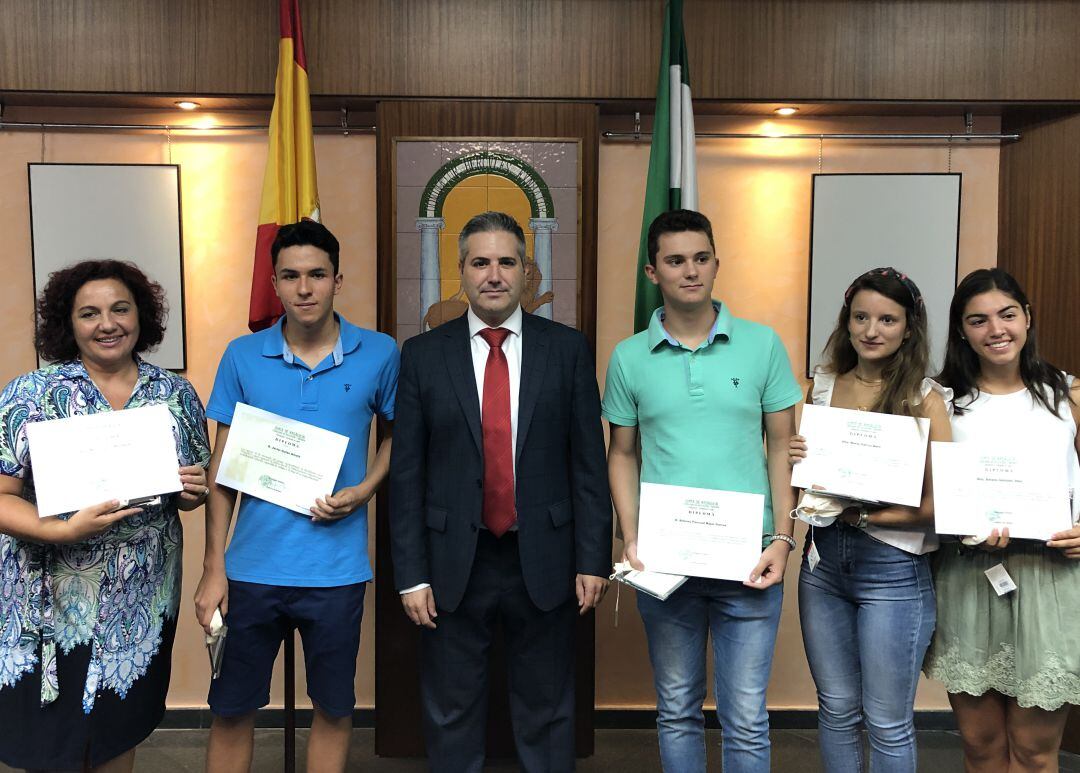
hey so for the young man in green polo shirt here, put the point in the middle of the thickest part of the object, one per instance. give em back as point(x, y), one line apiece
point(697, 387)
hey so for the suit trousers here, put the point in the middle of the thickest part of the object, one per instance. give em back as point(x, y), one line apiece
point(540, 655)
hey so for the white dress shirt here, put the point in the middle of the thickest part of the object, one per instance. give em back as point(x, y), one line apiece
point(512, 350)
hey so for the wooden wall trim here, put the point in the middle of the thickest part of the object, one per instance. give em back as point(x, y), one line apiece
point(1039, 244)
point(133, 46)
point(553, 49)
point(1039, 232)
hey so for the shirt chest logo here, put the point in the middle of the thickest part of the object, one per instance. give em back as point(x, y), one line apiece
point(735, 381)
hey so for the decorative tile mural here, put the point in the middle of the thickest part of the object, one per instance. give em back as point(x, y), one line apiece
point(440, 184)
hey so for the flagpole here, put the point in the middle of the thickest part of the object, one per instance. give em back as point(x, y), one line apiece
point(290, 701)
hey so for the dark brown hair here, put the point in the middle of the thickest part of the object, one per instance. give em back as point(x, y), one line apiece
point(53, 337)
point(962, 366)
point(305, 233)
point(673, 222)
point(902, 376)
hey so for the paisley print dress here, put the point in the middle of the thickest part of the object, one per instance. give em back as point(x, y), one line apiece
point(109, 603)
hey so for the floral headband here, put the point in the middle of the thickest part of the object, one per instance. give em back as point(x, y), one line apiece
point(889, 271)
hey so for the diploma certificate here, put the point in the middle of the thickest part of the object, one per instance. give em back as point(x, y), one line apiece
point(861, 455)
point(978, 488)
point(699, 532)
point(656, 584)
point(280, 460)
point(85, 460)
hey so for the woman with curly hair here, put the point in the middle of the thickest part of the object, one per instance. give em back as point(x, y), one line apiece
point(88, 600)
point(866, 601)
point(1010, 663)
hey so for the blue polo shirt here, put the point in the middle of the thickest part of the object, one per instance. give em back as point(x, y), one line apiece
point(699, 411)
point(275, 546)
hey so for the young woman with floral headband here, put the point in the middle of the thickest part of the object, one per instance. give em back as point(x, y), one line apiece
point(866, 601)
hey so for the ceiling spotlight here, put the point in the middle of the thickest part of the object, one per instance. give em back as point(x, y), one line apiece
point(786, 110)
point(186, 104)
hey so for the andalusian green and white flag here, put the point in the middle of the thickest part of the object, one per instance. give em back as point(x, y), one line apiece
point(672, 182)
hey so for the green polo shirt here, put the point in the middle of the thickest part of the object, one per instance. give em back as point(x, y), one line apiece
point(699, 413)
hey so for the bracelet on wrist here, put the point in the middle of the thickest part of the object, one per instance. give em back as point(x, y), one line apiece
point(789, 540)
point(864, 518)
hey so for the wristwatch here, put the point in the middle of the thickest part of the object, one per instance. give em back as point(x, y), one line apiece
point(864, 518)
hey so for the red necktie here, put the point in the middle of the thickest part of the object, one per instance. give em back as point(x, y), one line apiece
point(498, 513)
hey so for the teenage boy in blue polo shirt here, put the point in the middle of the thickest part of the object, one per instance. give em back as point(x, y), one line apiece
point(283, 569)
point(697, 387)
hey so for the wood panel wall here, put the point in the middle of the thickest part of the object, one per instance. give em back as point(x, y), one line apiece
point(566, 49)
point(1039, 244)
point(1039, 229)
point(120, 45)
point(1071, 740)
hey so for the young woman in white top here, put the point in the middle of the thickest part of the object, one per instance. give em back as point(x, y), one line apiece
point(1011, 663)
point(867, 606)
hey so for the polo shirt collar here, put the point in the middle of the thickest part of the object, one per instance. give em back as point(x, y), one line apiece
point(721, 327)
point(347, 342)
point(511, 323)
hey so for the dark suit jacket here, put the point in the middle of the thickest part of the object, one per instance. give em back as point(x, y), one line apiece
point(436, 466)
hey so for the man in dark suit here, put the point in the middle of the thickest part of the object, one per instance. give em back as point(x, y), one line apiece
point(500, 511)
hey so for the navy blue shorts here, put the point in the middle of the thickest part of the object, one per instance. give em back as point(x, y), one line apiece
point(328, 620)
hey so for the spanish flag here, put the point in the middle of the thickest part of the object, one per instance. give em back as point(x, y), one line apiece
point(290, 193)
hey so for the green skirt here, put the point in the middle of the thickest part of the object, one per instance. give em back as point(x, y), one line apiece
point(1025, 644)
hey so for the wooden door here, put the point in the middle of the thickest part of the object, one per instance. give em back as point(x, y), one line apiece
point(398, 731)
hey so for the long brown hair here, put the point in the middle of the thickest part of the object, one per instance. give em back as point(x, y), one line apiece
point(962, 367)
point(903, 374)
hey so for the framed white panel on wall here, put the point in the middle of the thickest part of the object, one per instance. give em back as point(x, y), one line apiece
point(862, 221)
point(122, 211)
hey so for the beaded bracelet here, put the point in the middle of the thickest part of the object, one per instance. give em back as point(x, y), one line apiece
point(789, 540)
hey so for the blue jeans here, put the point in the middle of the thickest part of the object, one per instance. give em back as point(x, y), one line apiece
point(867, 613)
point(743, 623)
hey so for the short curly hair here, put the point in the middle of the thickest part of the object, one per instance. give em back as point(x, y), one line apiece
point(53, 336)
